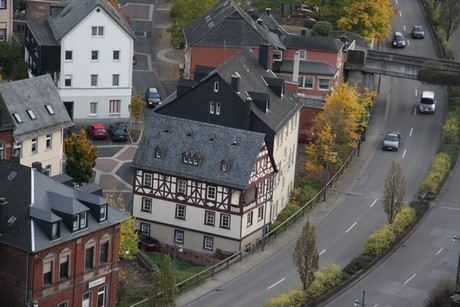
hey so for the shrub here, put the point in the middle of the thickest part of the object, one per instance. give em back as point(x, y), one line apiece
point(294, 297)
point(420, 208)
point(325, 279)
point(451, 130)
point(357, 264)
point(440, 295)
point(379, 241)
point(438, 172)
point(403, 219)
point(304, 194)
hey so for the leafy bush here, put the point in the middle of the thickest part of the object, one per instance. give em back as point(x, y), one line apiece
point(295, 297)
point(304, 194)
point(325, 279)
point(438, 172)
point(451, 129)
point(420, 208)
point(322, 28)
point(357, 264)
point(379, 241)
point(403, 219)
point(440, 295)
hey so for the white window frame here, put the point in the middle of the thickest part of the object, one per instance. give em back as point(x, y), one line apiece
point(48, 269)
point(145, 228)
point(2, 150)
point(97, 31)
point(114, 106)
point(217, 108)
point(147, 180)
point(260, 213)
point(321, 87)
point(303, 84)
point(115, 80)
point(179, 236)
point(101, 296)
point(182, 187)
point(277, 55)
point(2, 4)
point(146, 205)
point(116, 55)
point(211, 107)
point(216, 87)
point(93, 109)
point(303, 55)
point(210, 218)
point(208, 242)
point(49, 141)
point(225, 221)
point(250, 218)
point(34, 145)
point(211, 193)
point(17, 149)
point(180, 212)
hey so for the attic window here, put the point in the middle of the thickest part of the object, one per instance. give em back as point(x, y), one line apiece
point(191, 158)
point(211, 107)
point(277, 55)
point(31, 114)
point(225, 165)
point(216, 86)
point(12, 175)
point(158, 153)
point(17, 117)
point(49, 109)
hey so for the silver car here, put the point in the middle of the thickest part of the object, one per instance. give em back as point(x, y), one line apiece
point(392, 141)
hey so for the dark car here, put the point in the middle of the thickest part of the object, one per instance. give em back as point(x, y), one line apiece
point(418, 32)
point(398, 40)
point(152, 97)
point(147, 243)
point(118, 133)
point(97, 131)
point(74, 130)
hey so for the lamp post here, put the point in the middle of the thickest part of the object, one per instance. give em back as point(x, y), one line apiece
point(174, 254)
point(457, 288)
point(265, 218)
point(360, 303)
point(326, 175)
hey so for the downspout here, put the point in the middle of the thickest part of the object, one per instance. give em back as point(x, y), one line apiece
point(113, 264)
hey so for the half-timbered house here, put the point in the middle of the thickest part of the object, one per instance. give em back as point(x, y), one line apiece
point(200, 185)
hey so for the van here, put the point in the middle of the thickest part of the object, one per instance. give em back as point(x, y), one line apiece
point(427, 102)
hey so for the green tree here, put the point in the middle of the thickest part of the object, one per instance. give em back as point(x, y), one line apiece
point(164, 284)
point(306, 255)
point(450, 16)
point(368, 18)
point(80, 157)
point(128, 236)
point(12, 61)
point(185, 12)
point(322, 28)
point(394, 191)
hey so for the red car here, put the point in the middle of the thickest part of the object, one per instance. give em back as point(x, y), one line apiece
point(305, 136)
point(97, 131)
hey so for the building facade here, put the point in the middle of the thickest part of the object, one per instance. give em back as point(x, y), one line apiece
point(87, 48)
point(59, 245)
point(34, 118)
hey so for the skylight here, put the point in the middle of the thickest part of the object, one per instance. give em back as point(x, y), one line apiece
point(12, 175)
point(17, 117)
point(31, 114)
point(49, 109)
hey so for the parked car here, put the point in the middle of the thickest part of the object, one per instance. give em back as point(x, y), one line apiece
point(152, 97)
point(97, 131)
point(427, 102)
point(147, 243)
point(305, 136)
point(74, 129)
point(392, 141)
point(118, 133)
point(398, 41)
point(418, 32)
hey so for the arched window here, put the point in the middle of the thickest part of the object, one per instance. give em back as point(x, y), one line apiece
point(2, 151)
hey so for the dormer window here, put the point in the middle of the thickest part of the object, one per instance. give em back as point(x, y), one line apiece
point(103, 213)
point(158, 153)
point(55, 231)
point(216, 87)
point(277, 55)
point(79, 221)
point(224, 165)
point(191, 158)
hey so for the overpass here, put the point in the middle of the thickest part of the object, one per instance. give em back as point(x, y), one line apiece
point(394, 64)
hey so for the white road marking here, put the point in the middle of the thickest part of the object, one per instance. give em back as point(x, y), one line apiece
point(404, 27)
point(351, 227)
point(281, 280)
point(411, 130)
point(374, 202)
point(415, 111)
point(404, 153)
point(322, 252)
point(439, 251)
point(415, 92)
point(410, 279)
point(400, 14)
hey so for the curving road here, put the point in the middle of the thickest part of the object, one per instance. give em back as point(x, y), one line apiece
point(359, 212)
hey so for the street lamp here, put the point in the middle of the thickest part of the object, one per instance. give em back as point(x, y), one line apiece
point(457, 288)
point(180, 251)
point(360, 303)
point(265, 217)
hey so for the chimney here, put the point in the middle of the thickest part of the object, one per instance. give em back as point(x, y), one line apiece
point(259, 22)
point(295, 69)
point(235, 83)
point(343, 38)
point(37, 166)
point(268, 11)
point(3, 213)
point(303, 32)
point(264, 56)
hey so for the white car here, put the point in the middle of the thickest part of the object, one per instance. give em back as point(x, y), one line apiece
point(392, 141)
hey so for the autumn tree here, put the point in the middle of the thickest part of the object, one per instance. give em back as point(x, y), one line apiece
point(394, 191)
point(368, 18)
point(185, 12)
point(128, 236)
point(164, 291)
point(80, 157)
point(450, 16)
point(137, 104)
point(306, 255)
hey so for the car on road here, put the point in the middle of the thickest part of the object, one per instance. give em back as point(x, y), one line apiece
point(417, 31)
point(152, 97)
point(305, 136)
point(392, 141)
point(427, 102)
point(74, 129)
point(147, 243)
point(97, 131)
point(398, 41)
point(118, 133)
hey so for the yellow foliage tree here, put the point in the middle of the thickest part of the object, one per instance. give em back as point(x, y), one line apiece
point(137, 104)
point(368, 18)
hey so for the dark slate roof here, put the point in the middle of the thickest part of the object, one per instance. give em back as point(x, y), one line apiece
point(33, 94)
point(310, 67)
point(76, 10)
point(317, 43)
point(213, 143)
point(227, 24)
point(42, 32)
point(254, 78)
point(31, 196)
point(270, 24)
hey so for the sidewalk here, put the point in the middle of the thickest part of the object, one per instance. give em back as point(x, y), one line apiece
point(335, 196)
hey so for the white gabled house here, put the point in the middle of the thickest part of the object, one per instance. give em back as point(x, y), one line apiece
point(87, 47)
point(203, 186)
